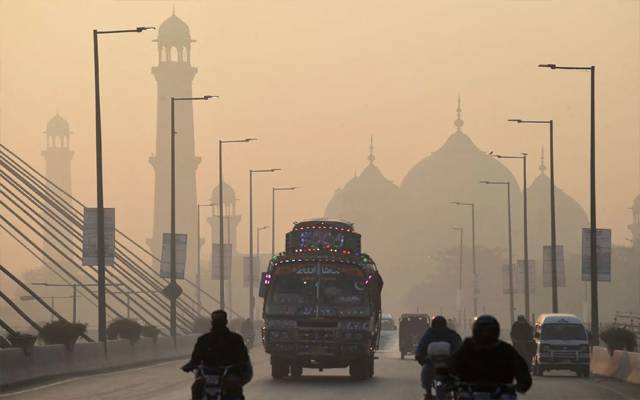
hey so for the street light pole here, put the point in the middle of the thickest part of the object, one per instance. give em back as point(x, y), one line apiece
point(552, 207)
point(251, 267)
point(102, 308)
point(172, 272)
point(198, 275)
point(258, 241)
point(595, 323)
point(527, 293)
point(473, 253)
point(273, 215)
point(221, 213)
point(508, 184)
point(459, 296)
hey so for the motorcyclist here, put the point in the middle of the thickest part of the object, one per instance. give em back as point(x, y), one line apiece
point(522, 338)
point(218, 348)
point(437, 332)
point(484, 361)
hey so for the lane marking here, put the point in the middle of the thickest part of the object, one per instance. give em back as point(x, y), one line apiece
point(106, 373)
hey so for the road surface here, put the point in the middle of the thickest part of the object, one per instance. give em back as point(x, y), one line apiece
point(394, 379)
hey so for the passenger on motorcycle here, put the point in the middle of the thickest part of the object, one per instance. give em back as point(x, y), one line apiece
point(221, 348)
point(435, 336)
point(485, 362)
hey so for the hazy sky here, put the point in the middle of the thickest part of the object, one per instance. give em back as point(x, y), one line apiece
point(313, 80)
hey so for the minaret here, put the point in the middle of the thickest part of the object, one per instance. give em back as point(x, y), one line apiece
point(57, 157)
point(459, 123)
point(58, 154)
point(174, 76)
point(371, 157)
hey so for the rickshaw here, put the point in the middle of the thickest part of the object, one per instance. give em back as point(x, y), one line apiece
point(412, 327)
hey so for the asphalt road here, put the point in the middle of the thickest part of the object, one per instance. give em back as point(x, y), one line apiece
point(394, 379)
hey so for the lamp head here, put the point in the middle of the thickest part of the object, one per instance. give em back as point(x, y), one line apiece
point(515, 120)
point(144, 28)
point(551, 66)
point(250, 139)
point(207, 97)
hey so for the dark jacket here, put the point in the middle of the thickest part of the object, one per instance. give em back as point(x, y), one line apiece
point(497, 364)
point(521, 331)
point(436, 335)
point(222, 348)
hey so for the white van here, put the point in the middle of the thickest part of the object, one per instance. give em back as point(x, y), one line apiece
point(562, 342)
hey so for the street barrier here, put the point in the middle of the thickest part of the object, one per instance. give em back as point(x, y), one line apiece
point(622, 365)
point(51, 361)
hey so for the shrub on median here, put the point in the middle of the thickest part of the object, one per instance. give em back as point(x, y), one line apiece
point(617, 338)
point(62, 332)
point(124, 328)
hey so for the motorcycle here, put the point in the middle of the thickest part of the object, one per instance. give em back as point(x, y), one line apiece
point(215, 383)
point(438, 355)
point(470, 391)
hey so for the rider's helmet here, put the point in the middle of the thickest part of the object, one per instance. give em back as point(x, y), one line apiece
point(439, 322)
point(486, 330)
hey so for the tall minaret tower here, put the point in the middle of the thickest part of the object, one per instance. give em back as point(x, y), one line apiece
point(57, 158)
point(174, 76)
point(58, 154)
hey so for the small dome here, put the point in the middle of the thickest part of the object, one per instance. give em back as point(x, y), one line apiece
point(636, 205)
point(174, 32)
point(228, 194)
point(57, 126)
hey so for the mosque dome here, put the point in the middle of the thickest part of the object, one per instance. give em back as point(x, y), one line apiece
point(364, 196)
point(453, 174)
point(570, 217)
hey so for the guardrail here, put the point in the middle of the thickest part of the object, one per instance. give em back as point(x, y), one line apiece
point(622, 365)
point(43, 362)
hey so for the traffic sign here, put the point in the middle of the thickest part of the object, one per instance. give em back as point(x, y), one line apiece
point(172, 291)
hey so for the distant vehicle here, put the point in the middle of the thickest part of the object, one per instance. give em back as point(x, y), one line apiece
point(562, 342)
point(412, 327)
point(322, 300)
point(388, 324)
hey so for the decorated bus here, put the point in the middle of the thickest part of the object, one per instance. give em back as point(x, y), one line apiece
point(322, 300)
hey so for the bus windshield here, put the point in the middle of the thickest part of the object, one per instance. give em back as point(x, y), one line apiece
point(318, 289)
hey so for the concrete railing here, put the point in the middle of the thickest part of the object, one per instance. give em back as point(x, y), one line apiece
point(56, 360)
point(623, 365)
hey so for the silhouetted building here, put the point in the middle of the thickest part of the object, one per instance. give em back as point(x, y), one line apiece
point(57, 157)
point(374, 204)
point(635, 224)
point(174, 76)
point(570, 217)
point(453, 173)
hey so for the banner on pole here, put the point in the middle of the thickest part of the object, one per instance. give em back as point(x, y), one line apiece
point(181, 255)
point(246, 274)
point(603, 254)
point(547, 278)
point(215, 261)
point(519, 285)
point(90, 236)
